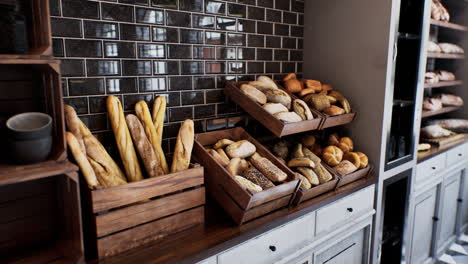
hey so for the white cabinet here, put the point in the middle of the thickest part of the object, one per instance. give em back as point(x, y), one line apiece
point(464, 221)
point(351, 250)
point(423, 226)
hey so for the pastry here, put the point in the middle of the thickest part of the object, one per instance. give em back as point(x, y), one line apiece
point(241, 149)
point(319, 102)
point(222, 143)
point(432, 104)
point(341, 99)
point(261, 86)
point(143, 113)
point(73, 125)
point(124, 140)
point(306, 91)
point(281, 149)
point(305, 184)
point(293, 85)
point(274, 108)
point(313, 84)
point(353, 158)
point(81, 159)
point(301, 108)
point(346, 144)
point(183, 147)
point(435, 131)
point(144, 147)
point(433, 47)
point(218, 158)
point(267, 168)
point(424, 147)
point(431, 77)
point(345, 167)
point(450, 100)
point(246, 184)
point(446, 76)
point(364, 161)
point(301, 162)
point(288, 117)
point(308, 140)
point(254, 94)
point(333, 140)
point(310, 175)
point(278, 96)
point(233, 166)
point(255, 176)
point(291, 76)
point(159, 112)
point(268, 81)
point(332, 155)
point(334, 110)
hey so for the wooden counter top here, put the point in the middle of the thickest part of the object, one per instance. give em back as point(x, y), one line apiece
point(220, 233)
point(434, 151)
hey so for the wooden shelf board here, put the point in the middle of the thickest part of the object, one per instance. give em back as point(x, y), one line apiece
point(10, 174)
point(444, 110)
point(445, 55)
point(435, 150)
point(442, 84)
point(448, 25)
point(49, 253)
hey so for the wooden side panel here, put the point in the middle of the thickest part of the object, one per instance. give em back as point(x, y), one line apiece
point(304, 195)
point(140, 235)
point(266, 208)
point(142, 213)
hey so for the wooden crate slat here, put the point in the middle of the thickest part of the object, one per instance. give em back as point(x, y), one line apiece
point(267, 208)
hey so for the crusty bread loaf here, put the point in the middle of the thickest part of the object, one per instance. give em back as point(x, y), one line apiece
point(274, 108)
point(268, 81)
point(334, 110)
point(301, 108)
point(346, 144)
point(73, 125)
point(184, 146)
point(345, 167)
point(218, 158)
point(267, 168)
point(82, 160)
point(143, 113)
point(255, 176)
point(253, 93)
point(278, 96)
point(323, 174)
point(241, 149)
point(159, 112)
point(261, 86)
point(144, 147)
point(250, 186)
point(123, 139)
point(288, 117)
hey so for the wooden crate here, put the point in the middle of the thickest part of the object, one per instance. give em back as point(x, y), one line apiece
point(352, 177)
point(277, 127)
point(41, 221)
point(127, 216)
point(239, 203)
point(333, 121)
point(304, 195)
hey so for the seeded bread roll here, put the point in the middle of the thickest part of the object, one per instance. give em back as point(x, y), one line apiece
point(241, 149)
point(267, 168)
point(255, 176)
point(310, 175)
point(252, 187)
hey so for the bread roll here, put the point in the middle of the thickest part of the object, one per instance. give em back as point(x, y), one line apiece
point(334, 110)
point(268, 81)
point(293, 86)
point(143, 113)
point(333, 140)
point(306, 91)
point(327, 87)
point(267, 168)
point(81, 159)
point(353, 158)
point(296, 152)
point(261, 86)
point(278, 96)
point(313, 84)
point(241, 149)
point(364, 160)
point(218, 158)
point(246, 184)
point(342, 100)
point(73, 125)
point(290, 76)
point(255, 176)
point(222, 143)
point(332, 155)
point(274, 108)
point(317, 149)
point(310, 155)
point(301, 162)
point(305, 184)
point(254, 94)
point(319, 102)
point(308, 140)
point(301, 108)
point(310, 175)
point(222, 154)
point(288, 117)
point(124, 140)
point(345, 167)
point(322, 174)
point(233, 166)
point(281, 149)
point(159, 112)
point(244, 165)
point(332, 100)
point(346, 144)
point(183, 147)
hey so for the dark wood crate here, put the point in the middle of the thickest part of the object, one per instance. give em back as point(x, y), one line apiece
point(352, 177)
point(239, 203)
point(277, 127)
point(339, 120)
point(303, 195)
point(120, 218)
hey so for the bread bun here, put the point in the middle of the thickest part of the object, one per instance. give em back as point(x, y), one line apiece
point(333, 140)
point(305, 184)
point(332, 155)
point(241, 149)
point(291, 76)
point(364, 160)
point(278, 96)
point(274, 108)
point(263, 87)
point(306, 91)
point(301, 162)
point(302, 109)
point(319, 102)
point(345, 167)
point(310, 175)
point(316, 85)
point(268, 81)
point(353, 158)
point(334, 110)
point(346, 144)
point(293, 85)
point(254, 94)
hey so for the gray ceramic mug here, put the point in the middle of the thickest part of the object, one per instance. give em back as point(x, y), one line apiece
point(30, 137)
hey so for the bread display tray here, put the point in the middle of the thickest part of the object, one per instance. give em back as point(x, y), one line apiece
point(273, 124)
point(333, 121)
point(240, 204)
point(304, 195)
point(352, 177)
point(120, 218)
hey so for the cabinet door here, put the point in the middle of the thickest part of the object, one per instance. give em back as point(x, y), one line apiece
point(465, 198)
point(449, 205)
point(351, 250)
point(423, 226)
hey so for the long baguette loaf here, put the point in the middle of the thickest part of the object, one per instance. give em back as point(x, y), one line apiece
point(159, 110)
point(107, 171)
point(124, 140)
point(143, 145)
point(81, 159)
point(73, 125)
point(183, 148)
point(143, 113)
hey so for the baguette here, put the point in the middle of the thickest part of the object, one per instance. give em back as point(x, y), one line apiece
point(143, 113)
point(123, 139)
point(159, 111)
point(183, 148)
point(218, 157)
point(301, 162)
point(73, 125)
point(143, 146)
point(82, 161)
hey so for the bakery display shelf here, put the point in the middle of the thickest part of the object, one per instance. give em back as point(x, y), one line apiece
point(434, 55)
point(10, 174)
point(441, 111)
point(242, 205)
point(442, 84)
point(436, 150)
point(277, 127)
point(448, 25)
point(117, 219)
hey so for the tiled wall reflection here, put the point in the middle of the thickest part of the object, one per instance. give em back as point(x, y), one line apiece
point(182, 49)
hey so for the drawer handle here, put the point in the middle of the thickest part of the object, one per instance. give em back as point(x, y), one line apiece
point(460, 200)
point(272, 248)
point(435, 218)
point(434, 168)
point(460, 154)
point(350, 210)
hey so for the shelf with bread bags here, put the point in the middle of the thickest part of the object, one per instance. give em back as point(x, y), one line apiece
point(443, 84)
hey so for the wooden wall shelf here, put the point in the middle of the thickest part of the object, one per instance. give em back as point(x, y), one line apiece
point(10, 174)
point(444, 110)
point(433, 55)
point(449, 25)
point(442, 84)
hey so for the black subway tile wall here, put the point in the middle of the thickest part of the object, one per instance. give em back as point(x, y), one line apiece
point(184, 50)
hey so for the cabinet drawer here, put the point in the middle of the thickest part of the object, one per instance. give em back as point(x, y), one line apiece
point(429, 167)
point(275, 244)
point(345, 210)
point(350, 250)
point(457, 155)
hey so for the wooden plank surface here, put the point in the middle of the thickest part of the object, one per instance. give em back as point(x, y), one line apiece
point(10, 174)
point(444, 110)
